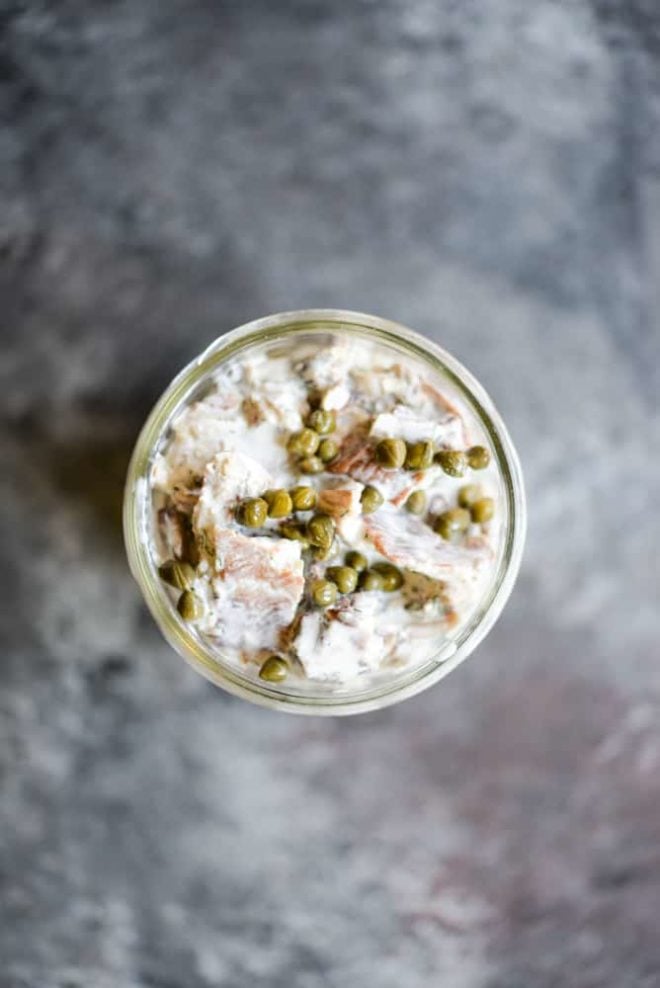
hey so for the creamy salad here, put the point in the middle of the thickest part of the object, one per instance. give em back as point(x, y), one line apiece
point(325, 512)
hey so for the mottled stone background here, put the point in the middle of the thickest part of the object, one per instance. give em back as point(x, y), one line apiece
point(488, 172)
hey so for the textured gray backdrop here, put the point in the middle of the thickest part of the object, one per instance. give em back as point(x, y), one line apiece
point(489, 173)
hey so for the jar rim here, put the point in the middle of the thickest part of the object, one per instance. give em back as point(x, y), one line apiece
point(137, 500)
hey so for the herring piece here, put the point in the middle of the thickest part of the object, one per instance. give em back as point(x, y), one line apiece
point(210, 426)
point(389, 387)
point(386, 385)
point(340, 498)
point(228, 479)
point(253, 591)
point(440, 403)
point(357, 459)
point(409, 543)
point(341, 644)
point(198, 433)
point(335, 398)
point(330, 365)
point(405, 423)
point(280, 395)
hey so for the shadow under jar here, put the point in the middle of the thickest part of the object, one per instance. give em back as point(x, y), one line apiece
point(369, 589)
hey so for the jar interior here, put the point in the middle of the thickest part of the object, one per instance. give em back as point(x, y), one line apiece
point(296, 342)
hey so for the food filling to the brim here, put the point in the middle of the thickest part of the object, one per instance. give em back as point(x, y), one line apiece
point(324, 515)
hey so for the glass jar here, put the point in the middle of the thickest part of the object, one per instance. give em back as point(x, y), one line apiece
point(300, 695)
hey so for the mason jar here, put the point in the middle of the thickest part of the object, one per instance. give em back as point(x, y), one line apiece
point(287, 332)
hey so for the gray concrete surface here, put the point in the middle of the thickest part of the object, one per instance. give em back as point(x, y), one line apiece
point(488, 173)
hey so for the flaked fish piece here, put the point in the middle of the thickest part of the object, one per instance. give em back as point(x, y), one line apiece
point(352, 418)
point(327, 374)
point(405, 423)
point(410, 544)
point(440, 402)
point(341, 497)
point(336, 397)
point(228, 478)
point(329, 365)
point(364, 632)
point(403, 639)
point(253, 590)
point(280, 396)
point(385, 386)
point(357, 459)
point(393, 387)
point(264, 447)
point(198, 433)
point(337, 645)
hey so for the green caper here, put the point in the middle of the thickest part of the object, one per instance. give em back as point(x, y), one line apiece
point(391, 576)
point(295, 533)
point(371, 580)
point(452, 461)
point(391, 453)
point(356, 561)
point(274, 669)
point(416, 503)
point(279, 503)
point(324, 593)
point(468, 494)
point(483, 510)
point(322, 421)
point(344, 578)
point(189, 606)
point(303, 498)
point(419, 456)
point(321, 531)
point(452, 522)
point(371, 500)
point(478, 457)
point(310, 464)
point(327, 450)
point(177, 574)
point(303, 443)
point(253, 512)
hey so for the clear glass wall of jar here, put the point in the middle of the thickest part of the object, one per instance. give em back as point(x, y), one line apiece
point(290, 330)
